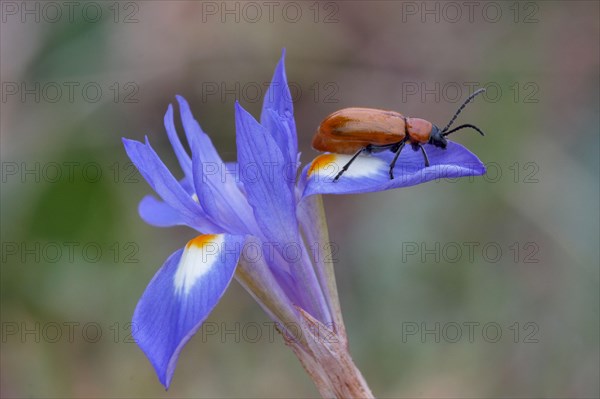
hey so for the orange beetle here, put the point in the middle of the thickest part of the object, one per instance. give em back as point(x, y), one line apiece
point(357, 130)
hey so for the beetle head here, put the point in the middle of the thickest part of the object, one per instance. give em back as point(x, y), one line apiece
point(437, 138)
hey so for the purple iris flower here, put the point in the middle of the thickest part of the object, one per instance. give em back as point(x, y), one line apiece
point(254, 220)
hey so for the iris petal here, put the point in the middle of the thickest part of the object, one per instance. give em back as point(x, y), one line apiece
point(182, 156)
point(281, 134)
point(369, 173)
point(193, 131)
point(214, 184)
point(261, 171)
point(158, 213)
point(180, 297)
point(164, 184)
point(278, 100)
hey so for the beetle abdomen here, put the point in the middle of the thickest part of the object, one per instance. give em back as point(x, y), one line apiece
point(348, 130)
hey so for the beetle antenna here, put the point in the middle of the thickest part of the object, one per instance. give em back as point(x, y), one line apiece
point(468, 100)
point(462, 127)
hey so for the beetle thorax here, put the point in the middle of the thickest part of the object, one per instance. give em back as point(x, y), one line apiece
point(419, 130)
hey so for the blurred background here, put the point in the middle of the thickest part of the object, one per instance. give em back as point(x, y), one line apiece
point(484, 287)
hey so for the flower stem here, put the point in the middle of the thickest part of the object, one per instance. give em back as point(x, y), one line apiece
point(326, 359)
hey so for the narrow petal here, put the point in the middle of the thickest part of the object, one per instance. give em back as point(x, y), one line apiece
point(370, 173)
point(180, 297)
point(215, 186)
point(166, 186)
point(158, 213)
point(278, 100)
point(193, 131)
point(221, 200)
point(261, 171)
point(182, 156)
point(204, 155)
point(261, 163)
point(280, 131)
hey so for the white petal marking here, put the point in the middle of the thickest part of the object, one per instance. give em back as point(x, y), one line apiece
point(200, 255)
point(329, 165)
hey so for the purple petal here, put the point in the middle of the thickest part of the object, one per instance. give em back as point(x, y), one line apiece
point(182, 156)
point(220, 196)
point(158, 213)
point(280, 132)
point(279, 122)
point(214, 184)
point(180, 297)
point(193, 131)
point(164, 184)
point(370, 173)
point(261, 171)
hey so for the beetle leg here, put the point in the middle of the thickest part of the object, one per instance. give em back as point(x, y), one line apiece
point(393, 163)
point(345, 168)
point(424, 155)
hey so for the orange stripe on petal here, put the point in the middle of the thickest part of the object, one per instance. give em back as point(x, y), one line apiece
point(201, 241)
point(321, 162)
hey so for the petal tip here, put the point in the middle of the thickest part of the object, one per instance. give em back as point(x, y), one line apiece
point(127, 141)
point(181, 100)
